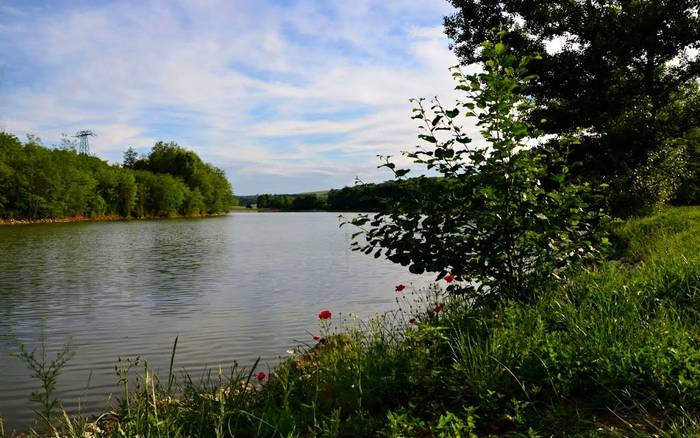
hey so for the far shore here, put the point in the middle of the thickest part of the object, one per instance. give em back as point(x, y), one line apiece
point(111, 218)
point(106, 218)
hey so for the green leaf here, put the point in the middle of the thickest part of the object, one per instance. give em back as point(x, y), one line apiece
point(428, 138)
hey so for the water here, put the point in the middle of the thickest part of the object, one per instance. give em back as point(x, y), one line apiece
point(237, 287)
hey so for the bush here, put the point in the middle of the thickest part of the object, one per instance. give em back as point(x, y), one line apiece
point(508, 218)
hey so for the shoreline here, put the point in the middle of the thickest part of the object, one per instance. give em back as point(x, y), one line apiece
point(73, 219)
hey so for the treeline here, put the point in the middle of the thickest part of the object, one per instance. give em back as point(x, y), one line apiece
point(299, 202)
point(360, 198)
point(37, 182)
point(375, 197)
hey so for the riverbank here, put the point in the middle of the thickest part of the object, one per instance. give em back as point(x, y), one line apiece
point(105, 218)
point(614, 351)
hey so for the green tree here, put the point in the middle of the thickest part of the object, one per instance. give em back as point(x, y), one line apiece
point(507, 218)
point(620, 64)
point(194, 202)
point(130, 158)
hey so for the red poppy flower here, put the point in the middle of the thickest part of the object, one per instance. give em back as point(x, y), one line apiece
point(317, 338)
point(449, 278)
point(437, 309)
point(261, 376)
point(412, 320)
point(325, 314)
point(400, 287)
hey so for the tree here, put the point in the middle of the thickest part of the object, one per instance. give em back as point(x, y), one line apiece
point(619, 65)
point(506, 218)
point(130, 158)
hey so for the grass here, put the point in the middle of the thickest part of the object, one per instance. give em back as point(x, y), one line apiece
point(613, 352)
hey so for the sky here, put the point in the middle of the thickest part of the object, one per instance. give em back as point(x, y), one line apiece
point(286, 96)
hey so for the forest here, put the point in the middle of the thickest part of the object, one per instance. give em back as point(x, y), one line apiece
point(37, 182)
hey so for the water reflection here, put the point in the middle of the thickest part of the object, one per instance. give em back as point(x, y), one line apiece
point(233, 288)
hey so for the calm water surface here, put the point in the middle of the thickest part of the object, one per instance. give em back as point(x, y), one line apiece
point(236, 287)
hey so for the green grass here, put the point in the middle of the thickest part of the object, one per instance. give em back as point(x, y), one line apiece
point(613, 352)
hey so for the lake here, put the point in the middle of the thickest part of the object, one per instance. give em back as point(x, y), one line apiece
point(235, 287)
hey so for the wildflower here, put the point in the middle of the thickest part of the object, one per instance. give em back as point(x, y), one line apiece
point(412, 320)
point(261, 376)
point(437, 309)
point(317, 338)
point(449, 278)
point(325, 314)
point(400, 287)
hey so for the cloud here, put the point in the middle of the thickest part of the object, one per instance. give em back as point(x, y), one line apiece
point(271, 91)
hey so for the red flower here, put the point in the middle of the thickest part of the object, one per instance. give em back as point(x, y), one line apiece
point(317, 338)
point(261, 376)
point(437, 309)
point(400, 287)
point(412, 320)
point(325, 314)
point(449, 278)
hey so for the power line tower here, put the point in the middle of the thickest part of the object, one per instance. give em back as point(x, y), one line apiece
point(84, 144)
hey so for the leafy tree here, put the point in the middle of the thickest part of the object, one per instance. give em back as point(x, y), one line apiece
point(194, 202)
point(507, 217)
point(689, 191)
point(620, 64)
point(172, 159)
point(130, 158)
point(125, 193)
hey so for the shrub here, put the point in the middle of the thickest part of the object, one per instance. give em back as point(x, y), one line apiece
point(508, 218)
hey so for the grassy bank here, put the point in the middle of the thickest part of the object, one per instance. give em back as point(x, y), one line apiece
point(613, 352)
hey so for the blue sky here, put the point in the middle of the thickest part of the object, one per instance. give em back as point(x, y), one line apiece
point(285, 96)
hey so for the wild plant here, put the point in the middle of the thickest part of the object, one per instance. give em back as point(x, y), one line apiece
point(508, 218)
point(46, 372)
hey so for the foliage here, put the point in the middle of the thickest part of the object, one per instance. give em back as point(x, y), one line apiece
point(656, 182)
point(620, 66)
point(506, 218)
point(689, 191)
point(298, 202)
point(375, 197)
point(46, 372)
point(37, 182)
point(363, 197)
point(211, 183)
